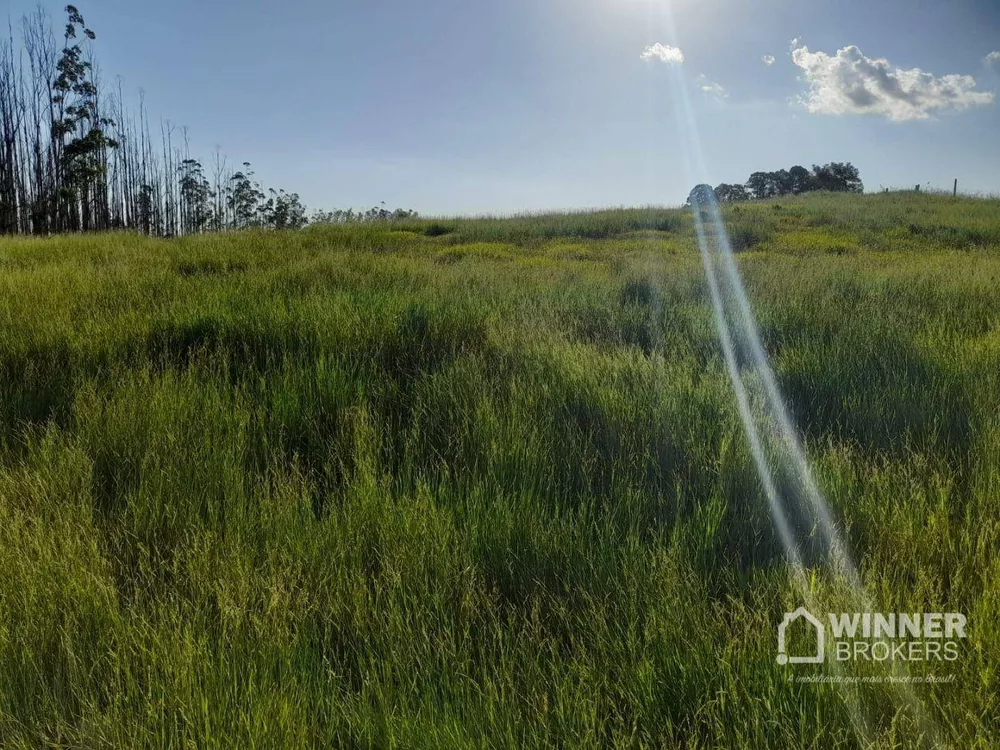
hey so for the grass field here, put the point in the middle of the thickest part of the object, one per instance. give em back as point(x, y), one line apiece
point(483, 482)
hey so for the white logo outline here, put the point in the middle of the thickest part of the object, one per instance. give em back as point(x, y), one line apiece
point(791, 617)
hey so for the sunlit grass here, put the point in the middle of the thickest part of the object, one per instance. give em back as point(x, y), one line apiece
point(482, 482)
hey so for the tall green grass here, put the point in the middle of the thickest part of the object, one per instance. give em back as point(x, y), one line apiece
point(455, 483)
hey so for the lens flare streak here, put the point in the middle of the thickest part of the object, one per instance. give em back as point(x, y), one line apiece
point(773, 439)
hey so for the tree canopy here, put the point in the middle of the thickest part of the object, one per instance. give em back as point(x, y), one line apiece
point(701, 195)
point(841, 177)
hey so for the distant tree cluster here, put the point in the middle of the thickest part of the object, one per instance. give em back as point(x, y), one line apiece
point(74, 158)
point(841, 177)
point(350, 216)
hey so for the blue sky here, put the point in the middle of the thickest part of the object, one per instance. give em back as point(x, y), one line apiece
point(467, 106)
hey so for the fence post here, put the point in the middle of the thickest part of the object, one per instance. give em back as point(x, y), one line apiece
point(954, 190)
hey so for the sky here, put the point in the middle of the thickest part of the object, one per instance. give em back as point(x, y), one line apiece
point(473, 106)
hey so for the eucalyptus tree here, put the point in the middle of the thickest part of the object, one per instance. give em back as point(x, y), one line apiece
point(245, 199)
point(74, 157)
point(284, 211)
point(78, 135)
point(196, 197)
point(11, 122)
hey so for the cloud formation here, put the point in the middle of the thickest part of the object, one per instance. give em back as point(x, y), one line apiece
point(993, 59)
point(768, 59)
point(711, 88)
point(848, 83)
point(663, 53)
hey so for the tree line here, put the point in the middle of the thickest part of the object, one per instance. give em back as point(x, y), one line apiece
point(75, 157)
point(841, 177)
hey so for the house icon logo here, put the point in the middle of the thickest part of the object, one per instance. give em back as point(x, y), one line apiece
point(790, 617)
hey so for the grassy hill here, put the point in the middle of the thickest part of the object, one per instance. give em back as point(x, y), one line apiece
point(458, 483)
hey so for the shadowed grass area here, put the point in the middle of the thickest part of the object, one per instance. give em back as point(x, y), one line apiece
point(467, 483)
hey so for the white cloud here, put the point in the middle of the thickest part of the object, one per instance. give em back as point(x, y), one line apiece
point(993, 59)
point(848, 83)
point(663, 53)
point(710, 88)
point(768, 59)
point(794, 43)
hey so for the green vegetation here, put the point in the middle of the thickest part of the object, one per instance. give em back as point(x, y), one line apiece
point(482, 482)
point(836, 177)
point(74, 155)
